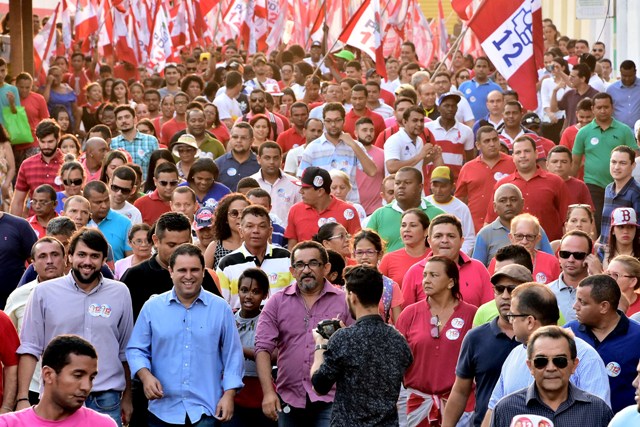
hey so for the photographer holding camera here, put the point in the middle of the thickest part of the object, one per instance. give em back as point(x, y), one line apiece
point(366, 361)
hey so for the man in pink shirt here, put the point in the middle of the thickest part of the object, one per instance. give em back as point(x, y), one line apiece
point(69, 365)
point(95, 150)
point(445, 239)
point(369, 186)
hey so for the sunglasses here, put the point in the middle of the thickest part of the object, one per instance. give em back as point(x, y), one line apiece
point(559, 362)
point(234, 213)
point(577, 255)
point(168, 183)
point(435, 331)
point(69, 182)
point(499, 290)
point(117, 188)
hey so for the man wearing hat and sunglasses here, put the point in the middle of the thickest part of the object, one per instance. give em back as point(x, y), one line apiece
point(317, 208)
point(485, 348)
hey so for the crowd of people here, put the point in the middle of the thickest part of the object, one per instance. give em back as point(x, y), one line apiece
point(294, 240)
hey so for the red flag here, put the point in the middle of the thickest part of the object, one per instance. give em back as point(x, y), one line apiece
point(277, 28)
point(363, 31)
point(460, 7)
point(419, 33)
point(123, 39)
point(160, 48)
point(510, 32)
point(105, 28)
point(65, 20)
point(440, 36)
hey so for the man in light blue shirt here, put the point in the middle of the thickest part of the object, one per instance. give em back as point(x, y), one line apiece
point(138, 144)
point(186, 350)
point(7, 91)
point(532, 306)
point(626, 95)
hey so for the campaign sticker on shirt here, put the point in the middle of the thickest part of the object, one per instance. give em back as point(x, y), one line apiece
point(468, 91)
point(452, 334)
point(594, 141)
point(348, 214)
point(331, 219)
point(613, 369)
point(318, 181)
point(541, 278)
point(529, 420)
point(232, 171)
point(322, 221)
point(472, 99)
point(499, 175)
point(141, 152)
point(103, 310)
point(57, 181)
point(457, 323)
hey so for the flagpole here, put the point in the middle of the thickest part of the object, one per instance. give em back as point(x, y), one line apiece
point(453, 48)
point(314, 21)
point(215, 27)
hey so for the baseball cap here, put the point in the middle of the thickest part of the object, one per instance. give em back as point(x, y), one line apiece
point(442, 174)
point(203, 218)
point(624, 216)
point(531, 119)
point(317, 178)
point(448, 95)
point(371, 72)
point(316, 44)
point(345, 54)
point(516, 272)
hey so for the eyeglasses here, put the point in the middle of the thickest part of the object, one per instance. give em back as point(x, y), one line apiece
point(499, 290)
point(435, 331)
point(511, 317)
point(257, 100)
point(41, 202)
point(341, 236)
point(300, 266)
point(367, 252)
point(69, 182)
point(234, 213)
point(616, 276)
point(140, 242)
point(117, 188)
point(163, 183)
point(559, 362)
point(577, 255)
point(529, 237)
point(333, 122)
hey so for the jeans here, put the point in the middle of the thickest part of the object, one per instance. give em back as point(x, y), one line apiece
point(249, 417)
point(597, 195)
point(205, 421)
point(106, 402)
point(314, 414)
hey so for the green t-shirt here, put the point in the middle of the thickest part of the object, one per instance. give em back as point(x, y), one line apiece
point(489, 311)
point(596, 144)
point(386, 222)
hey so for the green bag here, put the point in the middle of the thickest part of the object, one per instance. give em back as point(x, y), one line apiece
point(17, 126)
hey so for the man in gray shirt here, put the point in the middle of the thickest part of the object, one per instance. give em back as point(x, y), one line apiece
point(83, 303)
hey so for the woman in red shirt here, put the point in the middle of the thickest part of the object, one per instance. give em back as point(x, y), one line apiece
point(434, 329)
point(413, 230)
point(215, 126)
point(333, 235)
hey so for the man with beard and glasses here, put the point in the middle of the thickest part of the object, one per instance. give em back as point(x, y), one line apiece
point(285, 325)
point(41, 168)
point(84, 303)
point(138, 144)
point(369, 186)
point(70, 366)
point(337, 149)
point(258, 105)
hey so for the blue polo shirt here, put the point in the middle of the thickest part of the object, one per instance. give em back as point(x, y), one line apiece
point(115, 228)
point(231, 171)
point(476, 93)
point(620, 352)
point(484, 350)
point(627, 197)
point(213, 196)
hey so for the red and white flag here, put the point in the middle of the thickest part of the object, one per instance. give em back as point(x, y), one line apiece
point(363, 31)
point(65, 20)
point(44, 46)
point(277, 27)
point(160, 46)
point(440, 35)
point(105, 29)
point(420, 34)
point(86, 23)
point(124, 45)
point(510, 32)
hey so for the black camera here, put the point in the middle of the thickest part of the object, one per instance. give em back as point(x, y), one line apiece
point(328, 327)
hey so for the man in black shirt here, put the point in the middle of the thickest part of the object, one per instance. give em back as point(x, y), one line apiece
point(366, 361)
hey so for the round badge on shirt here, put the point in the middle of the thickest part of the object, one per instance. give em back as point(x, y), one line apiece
point(141, 152)
point(541, 278)
point(57, 180)
point(594, 141)
point(452, 334)
point(499, 175)
point(613, 369)
point(457, 323)
point(348, 214)
point(232, 171)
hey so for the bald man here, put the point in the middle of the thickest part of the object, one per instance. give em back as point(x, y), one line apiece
point(95, 150)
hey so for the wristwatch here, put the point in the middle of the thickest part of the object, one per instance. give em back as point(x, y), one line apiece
point(321, 347)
